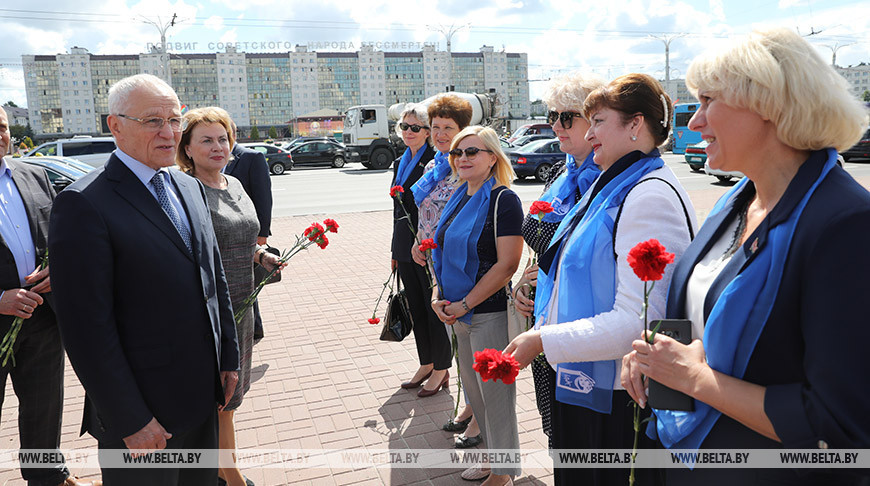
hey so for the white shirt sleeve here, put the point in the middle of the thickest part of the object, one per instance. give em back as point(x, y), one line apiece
point(650, 211)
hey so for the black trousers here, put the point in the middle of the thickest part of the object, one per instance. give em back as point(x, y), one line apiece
point(581, 428)
point(204, 436)
point(37, 379)
point(433, 344)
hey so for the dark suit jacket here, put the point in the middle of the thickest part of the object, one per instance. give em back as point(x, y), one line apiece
point(37, 194)
point(810, 355)
point(146, 325)
point(402, 236)
point(251, 169)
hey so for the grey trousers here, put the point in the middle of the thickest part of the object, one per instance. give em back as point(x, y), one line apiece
point(493, 402)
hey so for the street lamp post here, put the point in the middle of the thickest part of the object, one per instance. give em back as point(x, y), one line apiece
point(164, 56)
point(666, 39)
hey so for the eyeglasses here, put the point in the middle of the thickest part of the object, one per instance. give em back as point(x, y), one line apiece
point(156, 123)
point(566, 117)
point(414, 128)
point(469, 152)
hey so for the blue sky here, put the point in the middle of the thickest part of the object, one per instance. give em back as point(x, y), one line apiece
point(606, 37)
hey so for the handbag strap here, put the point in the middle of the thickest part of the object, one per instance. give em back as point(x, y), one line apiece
point(507, 286)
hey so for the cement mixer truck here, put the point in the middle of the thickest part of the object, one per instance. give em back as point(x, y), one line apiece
point(370, 130)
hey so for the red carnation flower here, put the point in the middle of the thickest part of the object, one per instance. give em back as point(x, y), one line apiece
point(427, 244)
point(492, 364)
point(322, 241)
point(541, 207)
point(374, 320)
point(331, 225)
point(648, 259)
point(396, 190)
point(313, 231)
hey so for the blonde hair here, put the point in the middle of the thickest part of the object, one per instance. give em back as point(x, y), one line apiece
point(779, 76)
point(207, 115)
point(502, 170)
point(567, 93)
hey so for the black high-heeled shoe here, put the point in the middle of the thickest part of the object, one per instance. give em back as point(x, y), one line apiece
point(454, 426)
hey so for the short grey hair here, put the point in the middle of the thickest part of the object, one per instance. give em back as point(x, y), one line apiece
point(568, 92)
point(120, 92)
point(416, 109)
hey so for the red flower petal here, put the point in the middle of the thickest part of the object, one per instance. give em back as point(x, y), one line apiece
point(331, 225)
point(541, 207)
point(374, 320)
point(648, 259)
point(396, 190)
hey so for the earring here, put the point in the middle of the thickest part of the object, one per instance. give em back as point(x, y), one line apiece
point(634, 138)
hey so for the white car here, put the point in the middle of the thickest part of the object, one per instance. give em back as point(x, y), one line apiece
point(94, 151)
point(722, 175)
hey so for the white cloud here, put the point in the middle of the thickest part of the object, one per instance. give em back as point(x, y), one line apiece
point(214, 22)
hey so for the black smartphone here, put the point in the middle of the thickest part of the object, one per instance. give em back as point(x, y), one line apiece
point(660, 396)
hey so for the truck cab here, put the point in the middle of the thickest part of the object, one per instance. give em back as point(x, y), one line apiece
point(370, 137)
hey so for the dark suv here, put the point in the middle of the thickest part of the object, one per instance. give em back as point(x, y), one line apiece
point(861, 149)
point(321, 152)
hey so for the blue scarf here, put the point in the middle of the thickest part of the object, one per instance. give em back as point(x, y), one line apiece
point(457, 274)
point(431, 178)
point(407, 164)
point(563, 192)
point(587, 284)
point(737, 319)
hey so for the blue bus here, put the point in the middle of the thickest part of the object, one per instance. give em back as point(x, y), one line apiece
point(682, 135)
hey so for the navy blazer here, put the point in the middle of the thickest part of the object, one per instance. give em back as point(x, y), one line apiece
point(810, 355)
point(402, 236)
point(146, 324)
point(37, 195)
point(251, 169)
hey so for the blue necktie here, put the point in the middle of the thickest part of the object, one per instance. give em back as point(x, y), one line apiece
point(169, 209)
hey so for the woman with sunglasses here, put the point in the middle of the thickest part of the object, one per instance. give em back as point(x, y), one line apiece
point(568, 182)
point(473, 266)
point(588, 297)
point(448, 114)
point(433, 346)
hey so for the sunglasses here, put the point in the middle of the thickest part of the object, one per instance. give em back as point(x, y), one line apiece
point(566, 117)
point(414, 128)
point(469, 152)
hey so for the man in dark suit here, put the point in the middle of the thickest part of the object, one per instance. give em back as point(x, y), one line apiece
point(252, 170)
point(140, 293)
point(37, 369)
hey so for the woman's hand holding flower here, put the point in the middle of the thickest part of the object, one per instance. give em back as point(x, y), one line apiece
point(525, 347)
point(270, 261)
point(666, 361)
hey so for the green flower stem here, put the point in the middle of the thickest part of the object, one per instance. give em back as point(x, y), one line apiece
point(11, 336)
point(384, 289)
point(647, 290)
point(407, 217)
point(458, 373)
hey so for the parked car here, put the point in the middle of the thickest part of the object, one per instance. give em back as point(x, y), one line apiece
point(526, 139)
point(300, 140)
point(505, 145)
point(536, 159)
point(94, 151)
point(696, 155)
point(861, 149)
point(533, 129)
point(722, 175)
point(279, 160)
point(62, 171)
point(323, 152)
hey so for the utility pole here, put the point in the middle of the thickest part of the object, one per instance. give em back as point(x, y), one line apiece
point(834, 48)
point(448, 33)
point(666, 39)
point(164, 54)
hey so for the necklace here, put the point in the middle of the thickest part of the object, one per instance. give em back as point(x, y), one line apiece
point(738, 232)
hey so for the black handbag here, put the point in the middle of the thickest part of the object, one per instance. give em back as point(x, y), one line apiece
point(398, 322)
point(260, 272)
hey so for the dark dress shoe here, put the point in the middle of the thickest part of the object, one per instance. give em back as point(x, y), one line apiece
point(453, 426)
point(415, 384)
point(445, 384)
point(463, 442)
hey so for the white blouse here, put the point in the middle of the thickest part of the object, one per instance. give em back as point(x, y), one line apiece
point(650, 211)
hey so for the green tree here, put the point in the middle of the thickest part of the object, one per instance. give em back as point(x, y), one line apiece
point(866, 95)
point(273, 134)
point(20, 131)
point(28, 141)
point(255, 134)
point(11, 103)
